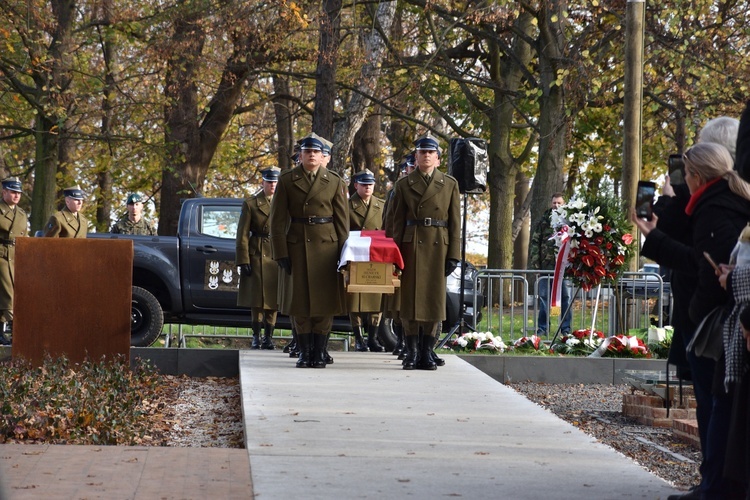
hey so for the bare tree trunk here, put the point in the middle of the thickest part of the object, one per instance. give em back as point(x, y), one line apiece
point(356, 110)
point(325, 72)
point(282, 107)
point(553, 121)
point(51, 130)
point(104, 176)
point(366, 148)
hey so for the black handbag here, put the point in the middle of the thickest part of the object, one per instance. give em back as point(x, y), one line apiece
point(707, 342)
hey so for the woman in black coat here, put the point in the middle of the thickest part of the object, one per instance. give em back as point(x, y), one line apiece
point(719, 208)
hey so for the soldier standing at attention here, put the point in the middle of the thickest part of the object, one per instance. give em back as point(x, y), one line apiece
point(426, 227)
point(365, 213)
point(13, 224)
point(133, 222)
point(259, 273)
point(309, 226)
point(69, 222)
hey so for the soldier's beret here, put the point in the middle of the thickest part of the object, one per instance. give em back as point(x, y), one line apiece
point(74, 192)
point(12, 184)
point(134, 198)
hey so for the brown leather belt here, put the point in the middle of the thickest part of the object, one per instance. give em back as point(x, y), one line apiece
point(312, 220)
point(428, 222)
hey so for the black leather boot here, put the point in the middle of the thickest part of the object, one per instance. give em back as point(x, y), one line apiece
point(399, 332)
point(268, 338)
point(372, 339)
point(293, 345)
point(359, 341)
point(329, 359)
point(425, 361)
point(318, 358)
point(304, 343)
point(410, 361)
point(5, 334)
point(256, 336)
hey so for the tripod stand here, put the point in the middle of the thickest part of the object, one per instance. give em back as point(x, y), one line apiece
point(460, 323)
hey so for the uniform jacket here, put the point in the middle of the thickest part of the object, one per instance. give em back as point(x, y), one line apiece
point(316, 288)
point(13, 224)
point(253, 247)
point(65, 224)
point(126, 226)
point(425, 249)
point(362, 216)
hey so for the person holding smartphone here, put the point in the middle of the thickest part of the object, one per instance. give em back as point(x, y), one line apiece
point(718, 209)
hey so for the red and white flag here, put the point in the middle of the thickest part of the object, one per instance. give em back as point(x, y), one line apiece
point(370, 246)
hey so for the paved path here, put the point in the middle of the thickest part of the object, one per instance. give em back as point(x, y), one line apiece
point(361, 428)
point(364, 428)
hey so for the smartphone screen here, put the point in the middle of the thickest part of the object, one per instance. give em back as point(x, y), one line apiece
point(644, 200)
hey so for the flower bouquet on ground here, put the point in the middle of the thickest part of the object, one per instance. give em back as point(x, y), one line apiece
point(622, 346)
point(578, 343)
point(594, 237)
point(478, 341)
point(527, 343)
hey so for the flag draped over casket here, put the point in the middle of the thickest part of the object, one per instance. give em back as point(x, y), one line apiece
point(370, 246)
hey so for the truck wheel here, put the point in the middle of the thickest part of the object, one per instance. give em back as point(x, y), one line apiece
point(386, 335)
point(147, 318)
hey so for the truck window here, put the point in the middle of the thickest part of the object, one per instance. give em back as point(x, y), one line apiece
point(220, 222)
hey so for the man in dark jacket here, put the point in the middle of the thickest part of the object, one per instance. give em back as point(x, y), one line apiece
point(543, 256)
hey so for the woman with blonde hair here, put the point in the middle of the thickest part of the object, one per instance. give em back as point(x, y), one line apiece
point(718, 210)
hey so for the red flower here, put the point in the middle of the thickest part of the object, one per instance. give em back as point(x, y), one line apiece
point(627, 238)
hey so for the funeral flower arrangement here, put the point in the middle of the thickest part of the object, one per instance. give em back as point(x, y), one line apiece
point(531, 343)
point(478, 341)
point(624, 346)
point(594, 233)
point(579, 343)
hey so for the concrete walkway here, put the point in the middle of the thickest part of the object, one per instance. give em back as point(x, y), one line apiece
point(365, 428)
point(360, 428)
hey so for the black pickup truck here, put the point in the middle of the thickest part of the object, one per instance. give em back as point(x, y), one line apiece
point(192, 278)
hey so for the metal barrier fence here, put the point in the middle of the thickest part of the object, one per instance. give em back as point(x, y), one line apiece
point(513, 300)
point(639, 300)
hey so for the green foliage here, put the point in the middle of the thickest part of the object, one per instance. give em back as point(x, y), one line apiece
point(99, 403)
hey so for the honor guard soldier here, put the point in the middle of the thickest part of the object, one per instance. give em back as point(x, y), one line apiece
point(69, 222)
point(259, 273)
point(365, 213)
point(426, 227)
point(309, 226)
point(133, 222)
point(13, 224)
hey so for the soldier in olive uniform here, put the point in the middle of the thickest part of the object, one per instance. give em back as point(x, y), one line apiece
point(69, 222)
point(426, 227)
point(133, 222)
point(365, 212)
point(13, 224)
point(309, 226)
point(259, 273)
